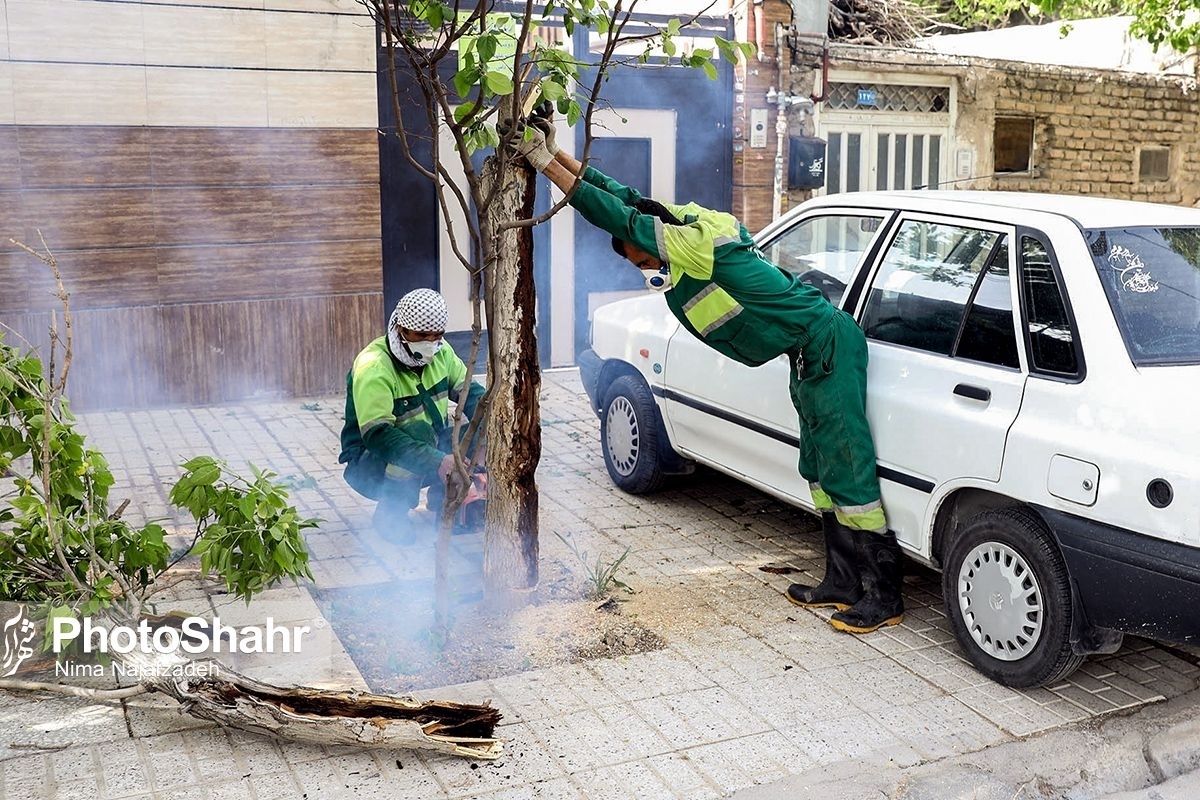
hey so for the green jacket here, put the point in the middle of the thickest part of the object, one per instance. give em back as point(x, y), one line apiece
point(399, 413)
point(723, 289)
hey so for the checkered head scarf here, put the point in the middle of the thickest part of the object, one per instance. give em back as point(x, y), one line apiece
point(420, 311)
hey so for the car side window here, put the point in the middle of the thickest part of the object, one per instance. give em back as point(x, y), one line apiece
point(1051, 339)
point(988, 334)
point(925, 283)
point(826, 250)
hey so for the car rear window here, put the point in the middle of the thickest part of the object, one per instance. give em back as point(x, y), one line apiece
point(1152, 279)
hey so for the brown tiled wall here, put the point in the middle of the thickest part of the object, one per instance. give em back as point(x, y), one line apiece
point(203, 265)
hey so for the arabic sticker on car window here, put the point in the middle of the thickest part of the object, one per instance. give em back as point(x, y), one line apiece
point(1132, 270)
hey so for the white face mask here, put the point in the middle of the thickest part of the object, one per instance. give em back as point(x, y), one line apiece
point(658, 280)
point(412, 354)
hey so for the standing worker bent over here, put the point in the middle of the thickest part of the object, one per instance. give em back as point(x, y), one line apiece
point(724, 291)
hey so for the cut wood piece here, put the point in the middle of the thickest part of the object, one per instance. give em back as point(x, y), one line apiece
point(327, 717)
point(208, 689)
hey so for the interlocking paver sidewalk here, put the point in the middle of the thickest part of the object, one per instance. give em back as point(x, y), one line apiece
point(746, 691)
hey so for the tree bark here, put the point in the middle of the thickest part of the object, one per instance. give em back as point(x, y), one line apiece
point(514, 425)
point(331, 718)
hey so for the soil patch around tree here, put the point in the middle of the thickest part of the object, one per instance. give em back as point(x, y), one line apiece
point(390, 632)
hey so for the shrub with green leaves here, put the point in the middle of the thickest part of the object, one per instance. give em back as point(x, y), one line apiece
point(245, 531)
point(59, 541)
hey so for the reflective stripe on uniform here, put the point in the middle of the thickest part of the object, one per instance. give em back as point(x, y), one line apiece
point(397, 473)
point(821, 501)
point(365, 427)
point(659, 241)
point(416, 412)
point(869, 517)
point(711, 308)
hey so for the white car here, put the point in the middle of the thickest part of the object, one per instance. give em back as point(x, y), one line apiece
point(1033, 389)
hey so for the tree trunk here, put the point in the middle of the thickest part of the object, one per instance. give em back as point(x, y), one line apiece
point(514, 432)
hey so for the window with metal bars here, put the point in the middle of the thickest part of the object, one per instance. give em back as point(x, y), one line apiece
point(1154, 164)
point(888, 97)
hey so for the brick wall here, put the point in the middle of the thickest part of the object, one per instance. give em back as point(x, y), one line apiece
point(1090, 127)
point(754, 168)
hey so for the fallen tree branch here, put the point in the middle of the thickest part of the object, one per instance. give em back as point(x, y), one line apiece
point(328, 717)
point(208, 689)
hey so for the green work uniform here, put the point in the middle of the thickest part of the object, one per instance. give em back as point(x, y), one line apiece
point(397, 428)
point(726, 293)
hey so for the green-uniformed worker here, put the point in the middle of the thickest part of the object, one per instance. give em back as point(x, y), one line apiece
point(397, 436)
point(723, 290)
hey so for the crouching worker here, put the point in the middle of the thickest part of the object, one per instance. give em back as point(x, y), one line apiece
point(724, 292)
point(397, 436)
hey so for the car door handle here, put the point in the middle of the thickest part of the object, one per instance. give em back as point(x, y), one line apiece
point(979, 393)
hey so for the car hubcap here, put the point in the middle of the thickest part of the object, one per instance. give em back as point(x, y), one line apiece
point(622, 436)
point(1000, 601)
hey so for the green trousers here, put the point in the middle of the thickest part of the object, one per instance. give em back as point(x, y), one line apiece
point(837, 455)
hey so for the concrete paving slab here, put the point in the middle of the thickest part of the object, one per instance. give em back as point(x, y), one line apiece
point(746, 693)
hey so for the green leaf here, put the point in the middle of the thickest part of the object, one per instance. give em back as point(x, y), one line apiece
point(197, 462)
point(462, 111)
point(430, 11)
point(498, 83)
point(710, 69)
point(246, 506)
point(465, 80)
point(553, 91)
point(486, 46)
point(673, 27)
point(438, 14)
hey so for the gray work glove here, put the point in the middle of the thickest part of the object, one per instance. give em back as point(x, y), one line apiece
point(543, 120)
point(529, 142)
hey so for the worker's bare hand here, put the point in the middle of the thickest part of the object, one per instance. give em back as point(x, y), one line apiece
point(447, 467)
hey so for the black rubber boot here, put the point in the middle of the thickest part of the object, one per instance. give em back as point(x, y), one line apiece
point(881, 604)
point(841, 587)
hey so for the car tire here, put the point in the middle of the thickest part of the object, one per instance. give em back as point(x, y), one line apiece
point(1008, 597)
point(629, 436)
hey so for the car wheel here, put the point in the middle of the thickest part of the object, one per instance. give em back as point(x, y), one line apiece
point(629, 436)
point(1008, 597)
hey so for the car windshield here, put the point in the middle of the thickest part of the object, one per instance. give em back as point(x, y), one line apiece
point(1152, 279)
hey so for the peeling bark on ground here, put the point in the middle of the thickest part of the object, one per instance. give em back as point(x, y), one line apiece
point(325, 717)
point(207, 689)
